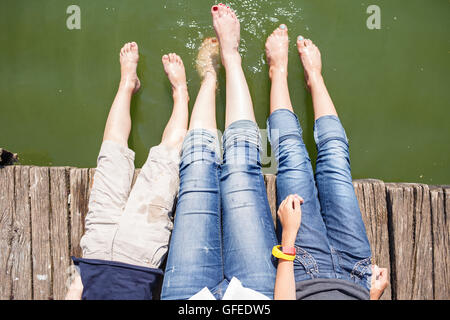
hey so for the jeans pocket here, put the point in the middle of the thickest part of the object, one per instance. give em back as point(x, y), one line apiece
point(362, 269)
point(307, 261)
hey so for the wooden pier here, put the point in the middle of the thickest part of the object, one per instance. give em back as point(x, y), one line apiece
point(42, 213)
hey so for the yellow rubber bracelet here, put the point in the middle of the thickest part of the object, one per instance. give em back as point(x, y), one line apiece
point(276, 252)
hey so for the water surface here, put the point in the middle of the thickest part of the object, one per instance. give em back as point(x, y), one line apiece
point(390, 86)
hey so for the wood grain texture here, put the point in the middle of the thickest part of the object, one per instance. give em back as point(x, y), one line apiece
point(407, 226)
point(371, 195)
point(410, 240)
point(21, 259)
point(79, 197)
point(135, 175)
point(6, 216)
point(441, 242)
point(40, 233)
point(59, 193)
point(270, 181)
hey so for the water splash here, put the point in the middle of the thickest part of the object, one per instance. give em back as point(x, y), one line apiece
point(254, 17)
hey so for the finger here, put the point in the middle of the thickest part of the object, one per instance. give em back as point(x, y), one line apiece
point(297, 204)
point(281, 207)
point(299, 198)
point(376, 271)
point(291, 199)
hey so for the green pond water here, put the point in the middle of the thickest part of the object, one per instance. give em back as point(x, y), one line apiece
point(390, 86)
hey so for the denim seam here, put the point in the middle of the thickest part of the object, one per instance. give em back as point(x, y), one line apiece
point(321, 143)
point(297, 123)
point(301, 257)
point(220, 220)
point(361, 272)
point(332, 250)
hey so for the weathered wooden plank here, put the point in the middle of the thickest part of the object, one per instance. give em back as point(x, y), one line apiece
point(447, 220)
point(91, 180)
point(135, 175)
point(411, 241)
point(441, 242)
point(79, 190)
point(59, 193)
point(40, 233)
point(270, 181)
point(371, 196)
point(6, 216)
point(21, 265)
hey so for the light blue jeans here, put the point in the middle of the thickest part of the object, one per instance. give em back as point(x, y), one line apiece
point(332, 240)
point(223, 225)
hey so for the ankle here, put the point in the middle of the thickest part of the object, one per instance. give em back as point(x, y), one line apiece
point(277, 72)
point(230, 59)
point(180, 93)
point(209, 76)
point(127, 84)
point(313, 79)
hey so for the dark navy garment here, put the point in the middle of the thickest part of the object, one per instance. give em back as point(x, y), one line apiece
point(330, 289)
point(111, 280)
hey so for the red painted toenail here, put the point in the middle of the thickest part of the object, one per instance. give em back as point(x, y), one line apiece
point(215, 8)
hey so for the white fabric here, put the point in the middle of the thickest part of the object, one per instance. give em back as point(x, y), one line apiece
point(235, 291)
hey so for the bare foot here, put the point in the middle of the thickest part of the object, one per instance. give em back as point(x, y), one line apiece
point(227, 29)
point(208, 58)
point(174, 68)
point(129, 57)
point(277, 46)
point(311, 60)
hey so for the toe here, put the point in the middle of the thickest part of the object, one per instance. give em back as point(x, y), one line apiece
point(215, 10)
point(301, 42)
point(165, 58)
point(308, 43)
point(282, 28)
point(222, 10)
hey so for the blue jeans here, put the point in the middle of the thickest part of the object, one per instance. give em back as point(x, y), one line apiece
point(332, 240)
point(223, 225)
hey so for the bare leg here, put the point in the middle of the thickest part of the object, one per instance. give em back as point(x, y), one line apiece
point(195, 255)
point(345, 228)
point(176, 128)
point(312, 64)
point(247, 225)
point(204, 111)
point(277, 46)
point(118, 125)
point(238, 100)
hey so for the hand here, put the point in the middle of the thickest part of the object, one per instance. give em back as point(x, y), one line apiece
point(379, 282)
point(290, 215)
